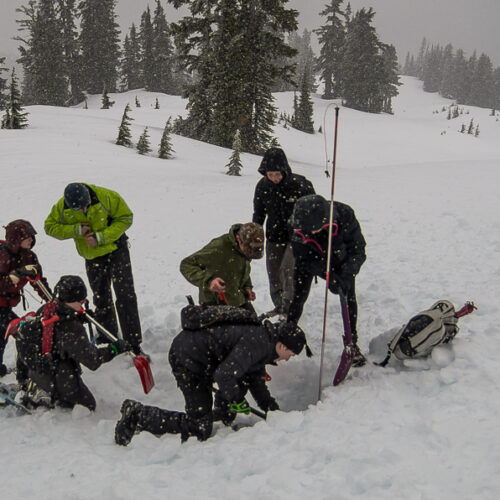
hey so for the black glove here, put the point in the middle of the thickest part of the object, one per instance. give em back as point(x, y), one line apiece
point(30, 271)
point(222, 411)
point(272, 405)
point(120, 346)
point(341, 283)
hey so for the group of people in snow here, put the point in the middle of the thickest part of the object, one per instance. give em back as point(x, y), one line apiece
point(233, 356)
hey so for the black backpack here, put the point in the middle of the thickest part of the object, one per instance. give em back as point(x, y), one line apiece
point(33, 335)
point(197, 317)
point(437, 325)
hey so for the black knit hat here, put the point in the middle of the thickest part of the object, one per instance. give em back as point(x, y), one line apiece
point(77, 196)
point(70, 288)
point(310, 213)
point(292, 336)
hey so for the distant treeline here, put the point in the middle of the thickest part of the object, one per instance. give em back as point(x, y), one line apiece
point(471, 81)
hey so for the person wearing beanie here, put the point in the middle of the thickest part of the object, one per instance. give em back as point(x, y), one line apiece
point(63, 384)
point(274, 198)
point(310, 224)
point(234, 357)
point(223, 266)
point(18, 263)
point(96, 218)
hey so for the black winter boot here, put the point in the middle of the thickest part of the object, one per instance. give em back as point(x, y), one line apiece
point(126, 427)
point(359, 358)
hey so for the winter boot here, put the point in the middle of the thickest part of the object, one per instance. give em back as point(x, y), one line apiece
point(127, 426)
point(359, 358)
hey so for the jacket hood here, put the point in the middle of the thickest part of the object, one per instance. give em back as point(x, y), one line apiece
point(275, 160)
point(17, 231)
point(310, 213)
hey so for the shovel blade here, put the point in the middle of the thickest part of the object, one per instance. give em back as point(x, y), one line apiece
point(142, 365)
point(345, 364)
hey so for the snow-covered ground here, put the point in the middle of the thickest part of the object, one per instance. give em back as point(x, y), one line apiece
point(427, 199)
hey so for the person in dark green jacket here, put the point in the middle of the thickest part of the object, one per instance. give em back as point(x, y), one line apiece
point(222, 267)
point(97, 218)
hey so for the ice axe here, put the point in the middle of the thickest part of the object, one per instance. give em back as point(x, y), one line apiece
point(140, 362)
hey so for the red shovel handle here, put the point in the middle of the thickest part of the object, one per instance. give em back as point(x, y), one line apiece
point(466, 309)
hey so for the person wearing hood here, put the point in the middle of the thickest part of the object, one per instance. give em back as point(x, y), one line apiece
point(18, 262)
point(274, 199)
point(310, 224)
point(96, 218)
point(70, 348)
point(221, 269)
point(233, 356)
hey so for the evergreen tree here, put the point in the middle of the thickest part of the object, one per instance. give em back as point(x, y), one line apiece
point(143, 146)
point(433, 70)
point(165, 150)
point(476, 132)
point(303, 120)
point(26, 28)
point(147, 57)
point(390, 80)
point(419, 64)
point(234, 166)
point(3, 84)
point(99, 41)
point(460, 85)
point(305, 57)
point(43, 59)
point(106, 101)
point(162, 78)
point(470, 130)
point(68, 14)
point(233, 47)
point(124, 135)
point(363, 65)
point(130, 68)
point(482, 92)
point(137, 103)
point(448, 61)
point(15, 116)
point(331, 38)
point(496, 88)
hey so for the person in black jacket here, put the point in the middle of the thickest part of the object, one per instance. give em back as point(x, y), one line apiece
point(310, 224)
point(63, 384)
point(232, 356)
point(274, 198)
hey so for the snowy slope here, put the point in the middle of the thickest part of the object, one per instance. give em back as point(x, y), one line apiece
point(427, 200)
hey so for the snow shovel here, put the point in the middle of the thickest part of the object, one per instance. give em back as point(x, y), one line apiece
point(140, 362)
point(348, 352)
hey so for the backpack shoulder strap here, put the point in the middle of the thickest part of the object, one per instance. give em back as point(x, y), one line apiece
point(48, 320)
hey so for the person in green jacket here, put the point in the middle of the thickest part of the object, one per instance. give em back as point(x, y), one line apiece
point(97, 218)
point(221, 269)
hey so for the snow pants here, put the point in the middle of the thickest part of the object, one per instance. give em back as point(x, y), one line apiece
point(115, 269)
point(280, 264)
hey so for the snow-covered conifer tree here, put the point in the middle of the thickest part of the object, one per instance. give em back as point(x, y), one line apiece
point(143, 145)
point(15, 116)
point(165, 150)
point(234, 166)
point(124, 135)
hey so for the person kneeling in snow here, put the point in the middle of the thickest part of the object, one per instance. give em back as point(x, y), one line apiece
point(232, 356)
point(63, 384)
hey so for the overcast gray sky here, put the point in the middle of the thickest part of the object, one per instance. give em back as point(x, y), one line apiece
point(467, 24)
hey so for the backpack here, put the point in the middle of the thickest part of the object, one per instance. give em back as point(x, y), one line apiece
point(437, 325)
point(33, 334)
point(197, 317)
